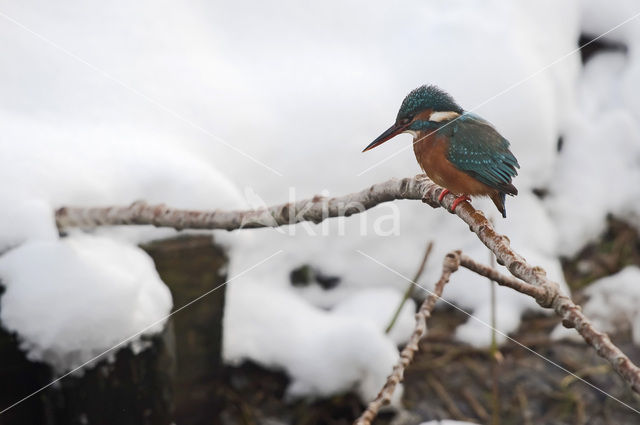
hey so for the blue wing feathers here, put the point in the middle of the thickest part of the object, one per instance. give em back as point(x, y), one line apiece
point(479, 150)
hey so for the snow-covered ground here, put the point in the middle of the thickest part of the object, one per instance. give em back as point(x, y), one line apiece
point(228, 105)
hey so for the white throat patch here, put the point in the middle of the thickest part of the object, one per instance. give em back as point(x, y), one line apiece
point(411, 132)
point(443, 116)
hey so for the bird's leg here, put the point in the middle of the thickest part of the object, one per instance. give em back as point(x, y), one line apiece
point(443, 194)
point(458, 200)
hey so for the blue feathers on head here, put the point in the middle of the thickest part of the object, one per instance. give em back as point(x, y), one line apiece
point(427, 97)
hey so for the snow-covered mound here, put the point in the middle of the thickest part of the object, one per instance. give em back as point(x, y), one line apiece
point(601, 154)
point(324, 352)
point(378, 306)
point(72, 299)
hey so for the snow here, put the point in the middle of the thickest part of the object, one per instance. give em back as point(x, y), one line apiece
point(378, 307)
point(104, 289)
point(72, 299)
point(181, 104)
point(612, 305)
point(600, 16)
point(324, 352)
point(601, 153)
point(603, 144)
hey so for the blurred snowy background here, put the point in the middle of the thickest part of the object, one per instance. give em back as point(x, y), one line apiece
point(236, 104)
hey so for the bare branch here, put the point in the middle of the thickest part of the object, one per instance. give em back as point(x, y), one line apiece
point(501, 279)
point(452, 262)
point(536, 284)
point(449, 266)
point(548, 295)
point(316, 210)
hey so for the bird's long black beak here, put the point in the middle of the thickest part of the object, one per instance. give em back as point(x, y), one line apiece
point(391, 132)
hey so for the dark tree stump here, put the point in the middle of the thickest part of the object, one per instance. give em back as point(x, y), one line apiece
point(191, 266)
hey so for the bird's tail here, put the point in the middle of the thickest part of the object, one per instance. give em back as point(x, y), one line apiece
point(499, 199)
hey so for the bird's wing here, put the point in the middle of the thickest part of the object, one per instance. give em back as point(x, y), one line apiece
point(480, 151)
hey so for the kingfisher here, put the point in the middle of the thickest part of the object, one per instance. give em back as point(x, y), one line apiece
point(458, 150)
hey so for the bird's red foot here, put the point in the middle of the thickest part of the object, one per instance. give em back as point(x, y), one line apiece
point(458, 200)
point(443, 194)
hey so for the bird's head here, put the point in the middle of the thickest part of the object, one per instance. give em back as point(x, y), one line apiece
point(424, 108)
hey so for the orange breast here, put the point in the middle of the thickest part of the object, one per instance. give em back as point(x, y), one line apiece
point(431, 155)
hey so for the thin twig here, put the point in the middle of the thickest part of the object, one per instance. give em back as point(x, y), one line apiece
point(449, 266)
point(410, 287)
point(570, 313)
point(601, 369)
point(524, 405)
point(453, 261)
point(493, 351)
point(446, 398)
point(475, 405)
point(580, 416)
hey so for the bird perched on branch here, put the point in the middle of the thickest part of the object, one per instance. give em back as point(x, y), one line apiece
point(458, 150)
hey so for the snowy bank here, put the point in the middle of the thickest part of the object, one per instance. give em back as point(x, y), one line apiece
point(72, 299)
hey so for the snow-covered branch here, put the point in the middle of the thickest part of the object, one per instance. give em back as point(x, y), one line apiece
point(534, 280)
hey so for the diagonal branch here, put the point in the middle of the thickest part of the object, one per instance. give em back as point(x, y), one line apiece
point(572, 317)
point(536, 284)
point(452, 262)
point(449, 266)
